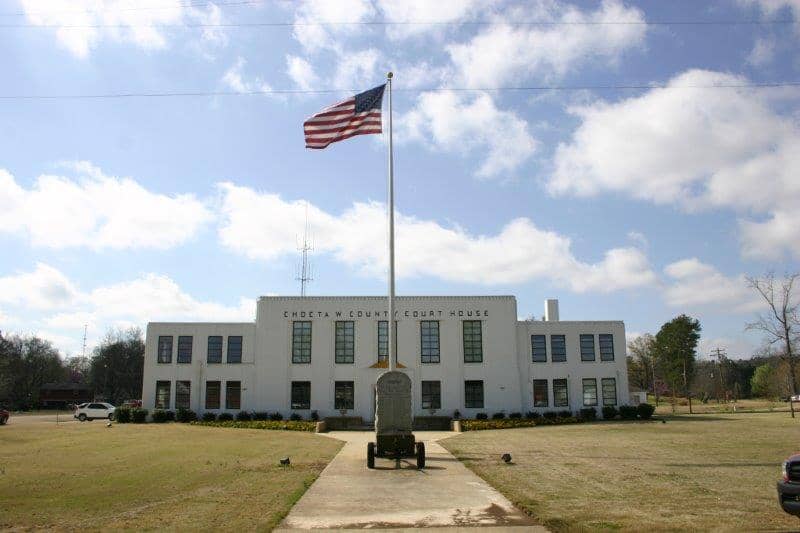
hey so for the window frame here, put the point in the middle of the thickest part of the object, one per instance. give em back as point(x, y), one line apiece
point(543, 355)
point(603, 382)
point(471, 396)
point(298, 334)
point(472, 346)
point(160, 384)
point(383, 345)
point(159, 357)
point(296, 404)
point(186, 395)
point(434, 354)
point(560, 384)
point(210, 386)
point(610, 344)
point(584, 347)
point(344, 391)
point(229, 359)
point(184, 355)
point(217, 359)
point(593, 382)
point(229, 404)
point(560, 355)
point(541, 403)
point(344, 349)
point(432, 397)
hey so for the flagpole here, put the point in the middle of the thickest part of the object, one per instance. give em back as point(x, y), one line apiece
point(392, 341)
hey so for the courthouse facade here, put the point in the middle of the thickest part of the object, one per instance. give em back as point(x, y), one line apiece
point(463, 353)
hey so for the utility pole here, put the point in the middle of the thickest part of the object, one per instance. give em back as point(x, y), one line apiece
point(304, 275)
point(720, 354)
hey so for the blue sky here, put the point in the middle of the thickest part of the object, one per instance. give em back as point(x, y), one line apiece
point(631, 204)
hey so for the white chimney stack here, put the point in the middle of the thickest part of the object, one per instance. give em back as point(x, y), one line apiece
point(551, 310)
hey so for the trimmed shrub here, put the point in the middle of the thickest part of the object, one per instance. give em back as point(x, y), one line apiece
point(138, 415)
point(208, 416)
point(549, 415)
point(295, 417)
point(224, 417)
point(498, 416)
point(628, 412)
point(532, 415)
point(185, 415)
point(515, 415)
point(564, 414)
point(475, 425)
point(610, 412)
point(276, 417)
point(588, 413)
point(302, 425)
point(161, 415)
point(122, 415)
point(244, 416)
point(481, 416)
point(314, 416)
point(645, 410)
point(261, 415)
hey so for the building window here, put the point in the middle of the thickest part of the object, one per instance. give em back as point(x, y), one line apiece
point(214, 349)
point(431, 395)
point(560, 393)
point(343, 395)
point(301, 341)
point(429, 336)
point(473, 394)
point(234, 349)
point(165, 349)
point(606, 343)
point(609, 391)
point(233, 395)
point(185, 349)
point(558, 348)
point(383, 340)
point(182, 394)
point(345, 341)
point(587, 347)
point(538, 349)
point(590, 392)
point(473, 342)
point(540, 393)
point(301, 395)
point(212, 394)
point(162, 395)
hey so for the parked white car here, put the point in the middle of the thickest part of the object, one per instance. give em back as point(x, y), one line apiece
point(90, 411)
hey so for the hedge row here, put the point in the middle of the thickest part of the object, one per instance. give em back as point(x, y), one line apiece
point(290, 425)
point(125, 415)
point(478, 425)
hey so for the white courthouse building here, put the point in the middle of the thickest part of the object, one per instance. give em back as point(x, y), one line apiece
point(463, 353)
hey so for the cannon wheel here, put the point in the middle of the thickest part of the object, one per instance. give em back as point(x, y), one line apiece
point(371, 455)
point(420, 455)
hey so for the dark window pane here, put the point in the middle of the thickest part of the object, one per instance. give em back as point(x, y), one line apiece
point(345, 341)
point(182, 394)
point(540, 393)
point(609, 391)
point(233, 395)
point(606, 342)
point(558, 348)
point(301, 395)
point(212, 394)
point(343, 395)
point(185, 349)
point(162, 394)
point(473, 394)
point(590, 392)
point(165, 349)
point(214, 349)
point(301, 342)
point(587, 347)
point(560, 393)
point(473, 342)
point(383, 340)
point(431, 395)
point(234, 349)
point(539, 348)
point(429, 338)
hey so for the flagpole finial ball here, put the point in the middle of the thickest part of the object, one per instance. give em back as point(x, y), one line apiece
point(389, 75)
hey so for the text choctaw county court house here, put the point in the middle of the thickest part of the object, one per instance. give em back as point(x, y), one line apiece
point(324, 354)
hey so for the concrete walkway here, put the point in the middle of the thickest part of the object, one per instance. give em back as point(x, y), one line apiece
point(348, 495)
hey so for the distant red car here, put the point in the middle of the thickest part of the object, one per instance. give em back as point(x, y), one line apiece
point(132, 403)
point(789, 485)
point(4, 416)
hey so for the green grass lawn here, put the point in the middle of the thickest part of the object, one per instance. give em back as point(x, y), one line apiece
point(155, 476)
point(701, 472)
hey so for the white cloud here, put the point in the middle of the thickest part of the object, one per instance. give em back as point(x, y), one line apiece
point(505, 53)
point(354, 69)
point(96, 211)
point(118, 21)
point(696, 285)
point(460, 123)
point(235, 80)
point(44, 288)
point(264, 227)
point(429, 11)
point(762, 53)
point(695, 148)
point(314, 37)
point(301, 72)
point(639, 238)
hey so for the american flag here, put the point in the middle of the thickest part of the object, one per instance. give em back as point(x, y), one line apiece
point(359, 115)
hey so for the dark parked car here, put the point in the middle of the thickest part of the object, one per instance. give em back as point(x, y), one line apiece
point(789, 486)
point(4, 416)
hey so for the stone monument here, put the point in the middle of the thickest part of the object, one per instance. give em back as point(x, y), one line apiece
point(393, 421)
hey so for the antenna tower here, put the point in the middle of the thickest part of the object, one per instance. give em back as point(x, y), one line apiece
point(85, 327)
point(304, 272)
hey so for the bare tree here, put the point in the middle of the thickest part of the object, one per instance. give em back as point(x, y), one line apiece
point(781, 323)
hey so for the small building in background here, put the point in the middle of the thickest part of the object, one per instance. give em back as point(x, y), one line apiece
point(61, 395)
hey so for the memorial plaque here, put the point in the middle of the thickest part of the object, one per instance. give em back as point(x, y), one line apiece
point(393, 404)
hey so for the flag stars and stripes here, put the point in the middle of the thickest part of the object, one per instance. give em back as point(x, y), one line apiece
point(359, 115)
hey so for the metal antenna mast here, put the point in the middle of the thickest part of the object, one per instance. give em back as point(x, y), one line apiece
point(304, 277)
point(85, 327)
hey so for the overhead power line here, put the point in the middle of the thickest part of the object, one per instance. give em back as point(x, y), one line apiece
point(137, 8)
point(175, 94)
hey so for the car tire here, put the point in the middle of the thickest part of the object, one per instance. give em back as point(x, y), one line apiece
point(3, 421)
point(111, 416)
point(82, 417)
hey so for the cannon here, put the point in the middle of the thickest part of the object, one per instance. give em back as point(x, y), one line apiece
point(393, 436)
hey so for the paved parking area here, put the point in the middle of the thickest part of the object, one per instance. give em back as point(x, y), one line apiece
point(61, 418)
point(348, 495)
